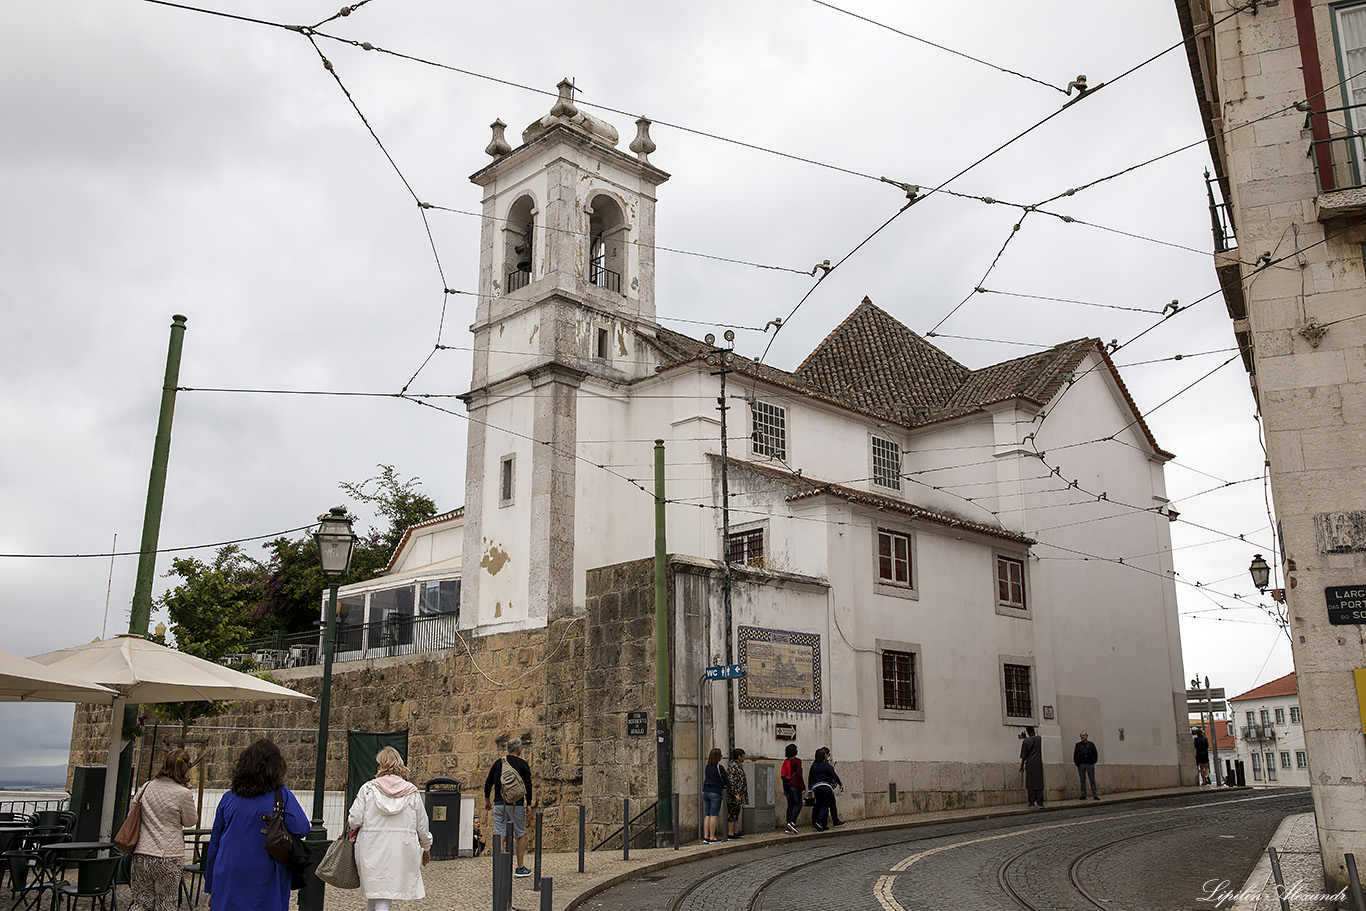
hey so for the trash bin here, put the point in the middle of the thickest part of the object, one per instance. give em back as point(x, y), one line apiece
point(443, 815)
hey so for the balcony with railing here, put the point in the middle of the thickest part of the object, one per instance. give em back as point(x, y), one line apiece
point(602, 276)
point(1339, 163)
point(1220, 217)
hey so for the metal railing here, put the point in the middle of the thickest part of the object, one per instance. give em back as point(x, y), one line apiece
point(1220, 218)
point(518, 279)
point(29, 806)
point(1339, 160)
point(604, 277)
point(638, 832)
point(400, 634)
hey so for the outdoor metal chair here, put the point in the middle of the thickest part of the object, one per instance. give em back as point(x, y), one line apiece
point(190, 892)
point(94, 880)
point(28, 879)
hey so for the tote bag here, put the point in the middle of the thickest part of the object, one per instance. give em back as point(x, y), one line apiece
point(338, 866)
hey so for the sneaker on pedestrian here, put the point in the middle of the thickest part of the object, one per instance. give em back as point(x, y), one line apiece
point(840, 823)
point(521, 871)
point(792, 827)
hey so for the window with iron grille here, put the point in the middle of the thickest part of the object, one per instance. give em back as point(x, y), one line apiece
point(894, 557)
point(1010, 584)
point(1301, 759)
point(886, 464)
point(768, 431)
point(746, 547)
point(1019, 698)
point(1294, 714)
point(898, 681)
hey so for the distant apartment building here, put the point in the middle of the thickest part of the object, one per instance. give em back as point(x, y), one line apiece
point(1270, 734)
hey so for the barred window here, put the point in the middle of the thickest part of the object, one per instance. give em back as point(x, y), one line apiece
point(1301, 759)
point(1019, 698)
point(746, 547)
point(768, 433)
point(1010, 587)
point(898, 681)
point(886, 464)
point(1294, 714)
point(894, 557)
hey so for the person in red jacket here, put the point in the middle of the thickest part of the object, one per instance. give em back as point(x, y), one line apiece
point(794, 786)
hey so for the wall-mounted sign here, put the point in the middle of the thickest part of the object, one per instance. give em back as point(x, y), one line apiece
point(1346, 604)
point(784, 731)
point(637, 724)
point(783, 670)
point(1048, 712)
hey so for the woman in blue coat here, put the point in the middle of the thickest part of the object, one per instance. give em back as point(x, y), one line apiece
point(237, 868)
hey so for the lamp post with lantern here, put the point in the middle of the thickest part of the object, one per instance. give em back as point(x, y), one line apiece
point(336, 542)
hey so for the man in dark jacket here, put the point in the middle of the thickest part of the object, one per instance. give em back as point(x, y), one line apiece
point(1031, 763)
point(1201, 754)
point(1084, 757)
point(507, 812)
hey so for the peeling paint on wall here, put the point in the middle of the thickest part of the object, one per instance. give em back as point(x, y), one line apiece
point(494, 559)
point(621, 340)
point(497, 609)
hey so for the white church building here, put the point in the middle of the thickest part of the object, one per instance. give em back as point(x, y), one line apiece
point(926, 557)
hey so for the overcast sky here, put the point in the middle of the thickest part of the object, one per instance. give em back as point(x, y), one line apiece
point(156, 160)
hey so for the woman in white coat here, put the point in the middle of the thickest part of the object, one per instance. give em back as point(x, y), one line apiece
point(394, 843)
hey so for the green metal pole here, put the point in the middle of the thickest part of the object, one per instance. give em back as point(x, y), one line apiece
point(141, 613)
point(663, 746)
point(312, 894)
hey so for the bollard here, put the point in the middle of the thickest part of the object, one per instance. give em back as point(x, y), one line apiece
point(581, 832)
point(498, 903)
point(1354, 881)
point(1280, 881)
point(536, 883)
point(626, 828)
point(548, 894)
point(676, 824)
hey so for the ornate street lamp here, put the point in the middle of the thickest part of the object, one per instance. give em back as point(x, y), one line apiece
point(336, 542)
point(1261, 573)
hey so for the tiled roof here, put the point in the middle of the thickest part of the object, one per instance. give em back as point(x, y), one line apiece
point(807, 487)
point(879, 365)
point(1281, 686)
point(408, 534)
point(873, 364)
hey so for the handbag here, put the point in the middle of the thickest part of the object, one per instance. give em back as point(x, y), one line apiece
point(809, 799)
point(127, 836)
point(338, 866)
point(282, 844)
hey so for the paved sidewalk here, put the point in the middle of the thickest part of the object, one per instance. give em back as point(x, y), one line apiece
point(1297, 848)
point(466, 884)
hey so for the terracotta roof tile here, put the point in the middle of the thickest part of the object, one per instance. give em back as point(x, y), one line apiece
point(1281, 686)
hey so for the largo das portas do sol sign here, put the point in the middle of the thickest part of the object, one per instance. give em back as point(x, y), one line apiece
point(1346, 604)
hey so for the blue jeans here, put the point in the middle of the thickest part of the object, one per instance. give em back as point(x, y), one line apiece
point(794, 803)
point(1087, 770)
point(711, 801)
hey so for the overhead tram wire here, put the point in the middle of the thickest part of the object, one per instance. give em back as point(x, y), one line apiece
point(160, 550)
point(941, 47)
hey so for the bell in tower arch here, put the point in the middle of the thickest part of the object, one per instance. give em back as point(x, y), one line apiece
point(524, 249)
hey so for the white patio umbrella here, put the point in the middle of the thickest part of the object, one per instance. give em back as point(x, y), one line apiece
point(142, 672)
point(25, 680)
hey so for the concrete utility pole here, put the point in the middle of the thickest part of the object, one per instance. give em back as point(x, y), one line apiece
point(664, 821)
point(722, 359)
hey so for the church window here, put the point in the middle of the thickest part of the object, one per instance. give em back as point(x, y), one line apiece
point(898, 681)
point(602, 350)
point(507, 476)
point(886, 464)
point(1019, 694)
point(768, 432)
point(606, 243)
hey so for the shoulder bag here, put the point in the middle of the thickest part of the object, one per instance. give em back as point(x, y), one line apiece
point(282, 844)
point(127, 837)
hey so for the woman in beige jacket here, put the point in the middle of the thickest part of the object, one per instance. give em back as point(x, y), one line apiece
point(159, 857)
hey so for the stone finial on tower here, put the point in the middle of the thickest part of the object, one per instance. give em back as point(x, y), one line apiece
point(499, 146)
point(564, 107)
point(642, 145)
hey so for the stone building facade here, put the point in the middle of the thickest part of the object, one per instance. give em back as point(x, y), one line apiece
point(1280, 88)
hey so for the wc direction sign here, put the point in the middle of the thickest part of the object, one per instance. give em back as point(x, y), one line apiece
point(725, 671)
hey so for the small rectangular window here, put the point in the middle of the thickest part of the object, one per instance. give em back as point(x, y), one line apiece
point(1285, 759)
point(1301, 759)
point(1280, 716)
point(746, 547)
point(507, 478)
point(768, 433)
point(898, 681)
point(886, 464)
point(1019, 697)
point(602, 344)
point(1230, 729)
point(894, 557)
point(1010, 587)
point(1294, 714)
point(1270, 766)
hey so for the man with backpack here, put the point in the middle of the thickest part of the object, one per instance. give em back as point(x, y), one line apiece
point(507, 791)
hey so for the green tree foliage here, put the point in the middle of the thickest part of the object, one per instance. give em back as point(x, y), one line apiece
point(395, 500)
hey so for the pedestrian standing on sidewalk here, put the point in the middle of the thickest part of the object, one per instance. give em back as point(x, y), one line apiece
point(507, 792)
point(395, 842)
point(794, 786)
point(737, 793)
point(159, 856)
point(1085, 757)
point(1201, 754)
point(1031, 763)
point(715, 783)
point(824, 780)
